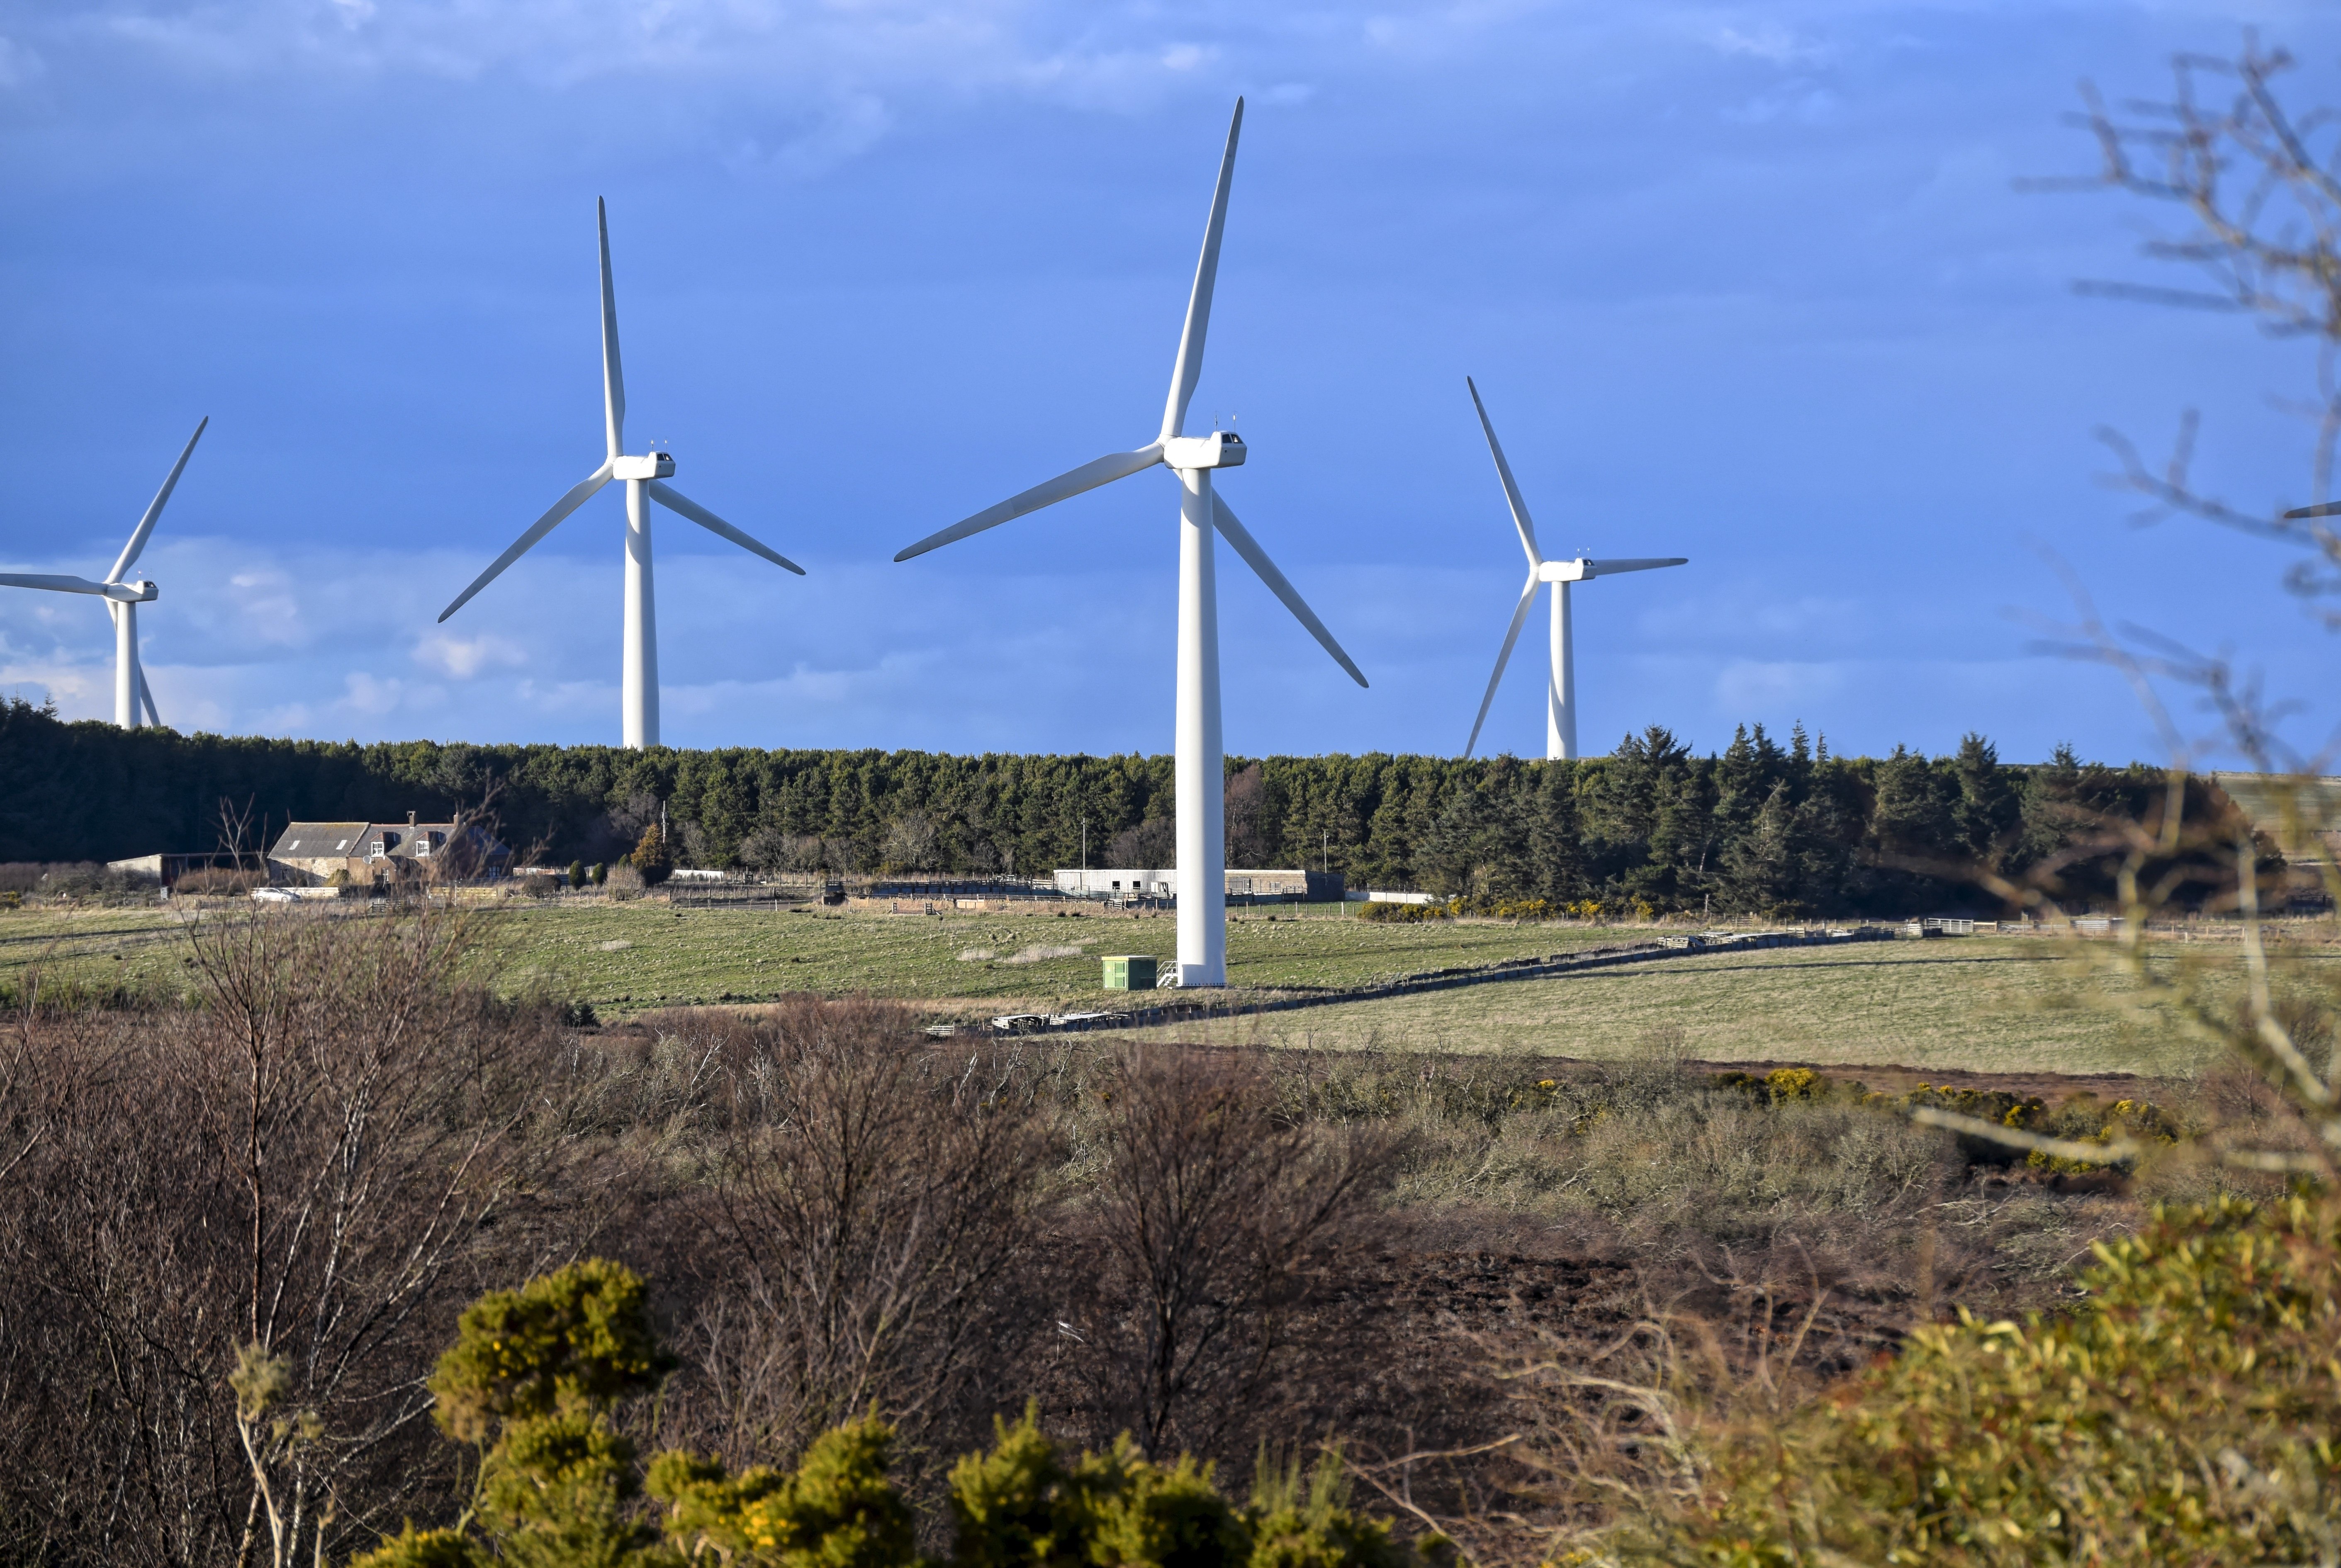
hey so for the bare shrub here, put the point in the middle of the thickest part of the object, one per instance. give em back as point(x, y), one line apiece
point(221, 880)
point(1212, 1219)
point(282, 1188)
point(874, 1194)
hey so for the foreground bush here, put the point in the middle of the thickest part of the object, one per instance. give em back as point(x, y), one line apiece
point(2190, 1411)
point(536, 1375)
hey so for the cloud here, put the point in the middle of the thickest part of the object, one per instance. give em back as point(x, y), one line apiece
point(466, 657)
point(368, 694)
point(1770, 42)
point(1764, 685)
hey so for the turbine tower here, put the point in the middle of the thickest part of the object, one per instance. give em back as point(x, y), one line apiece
point(122, 599)
point(638, 684)
point(1202, 881)
point(1560, 693)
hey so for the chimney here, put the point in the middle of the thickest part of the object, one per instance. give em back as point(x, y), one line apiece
point(410, 821)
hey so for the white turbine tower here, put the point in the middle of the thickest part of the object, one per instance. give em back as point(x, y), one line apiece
point(122, 599)
point(638, 684)
point(1560, 693)
point(1202, 882)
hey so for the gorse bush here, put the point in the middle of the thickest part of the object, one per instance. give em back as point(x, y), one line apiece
point(536, 1375)
point(2190, 1412)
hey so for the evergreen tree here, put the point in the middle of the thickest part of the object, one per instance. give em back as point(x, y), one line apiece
point(1989, 811)
point(652, 857)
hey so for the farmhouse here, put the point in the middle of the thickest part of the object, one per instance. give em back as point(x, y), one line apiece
point(309, 853)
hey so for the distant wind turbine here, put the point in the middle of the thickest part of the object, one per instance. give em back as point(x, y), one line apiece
point(1202, 883)
point(638, 685)
point(1560, 693)
point(122, 599)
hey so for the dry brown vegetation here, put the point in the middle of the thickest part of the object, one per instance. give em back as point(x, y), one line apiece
point(346, 1136)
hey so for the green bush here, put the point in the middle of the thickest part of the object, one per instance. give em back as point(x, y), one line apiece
point(2188, 1411)
point(536, 1373)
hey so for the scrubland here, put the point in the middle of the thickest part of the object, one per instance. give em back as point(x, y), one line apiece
point(236, 1230)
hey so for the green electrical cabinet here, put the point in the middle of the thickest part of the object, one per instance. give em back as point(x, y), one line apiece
point(1129, 972)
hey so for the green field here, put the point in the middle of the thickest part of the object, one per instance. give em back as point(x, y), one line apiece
point(625, 957)
point(2010, 1004)
point(1982, 1003)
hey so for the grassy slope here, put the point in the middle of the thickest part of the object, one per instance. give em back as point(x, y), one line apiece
point(1981, 1004)
point(1984, 1003)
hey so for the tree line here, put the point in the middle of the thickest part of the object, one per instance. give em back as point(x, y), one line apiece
point(1759, 828)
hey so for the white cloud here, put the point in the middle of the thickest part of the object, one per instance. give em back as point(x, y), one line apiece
point(1764, 685)
point(368, 694)
point(466, 657)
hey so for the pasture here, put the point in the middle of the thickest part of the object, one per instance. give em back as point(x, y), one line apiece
point(1981, 1004)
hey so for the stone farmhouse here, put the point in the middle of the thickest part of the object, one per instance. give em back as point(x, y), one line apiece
point(310, 853)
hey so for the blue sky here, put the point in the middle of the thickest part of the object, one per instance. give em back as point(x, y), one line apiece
point(1749, 283)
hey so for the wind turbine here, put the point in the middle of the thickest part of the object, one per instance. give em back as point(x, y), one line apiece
point(122, 599)
point(1202, 881)
point(638, 684)
point(1560, 694)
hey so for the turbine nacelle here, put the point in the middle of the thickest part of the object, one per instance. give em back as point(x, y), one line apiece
point(654, 465)
point(140, 592)
point(1220, 449)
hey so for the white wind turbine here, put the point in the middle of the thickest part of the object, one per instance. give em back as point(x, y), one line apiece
point(1560, 693)
point(638, 684)
point(1202, 883)
point(122, 599)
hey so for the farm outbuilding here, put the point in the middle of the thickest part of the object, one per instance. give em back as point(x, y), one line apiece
point(1111, 882)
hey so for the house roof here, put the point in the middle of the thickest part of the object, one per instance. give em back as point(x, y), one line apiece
point(339, 840)
point(317, 840)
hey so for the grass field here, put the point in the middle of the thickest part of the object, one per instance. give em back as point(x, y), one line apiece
point(1982, 1004)
point(2011, 1004)
point(625, 957)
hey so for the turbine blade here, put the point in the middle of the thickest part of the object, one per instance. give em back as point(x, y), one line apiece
point(1519, 619)
point(1189, 368)
point(1248, 548)
point(579, 494)
point(1511, 491)
point(129, 557)
point(55, 584)
point(1644, 563)
point(674, 501)
point(2322, 508)
point(147, 695)
point(1089, 476)
point(614, 378)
